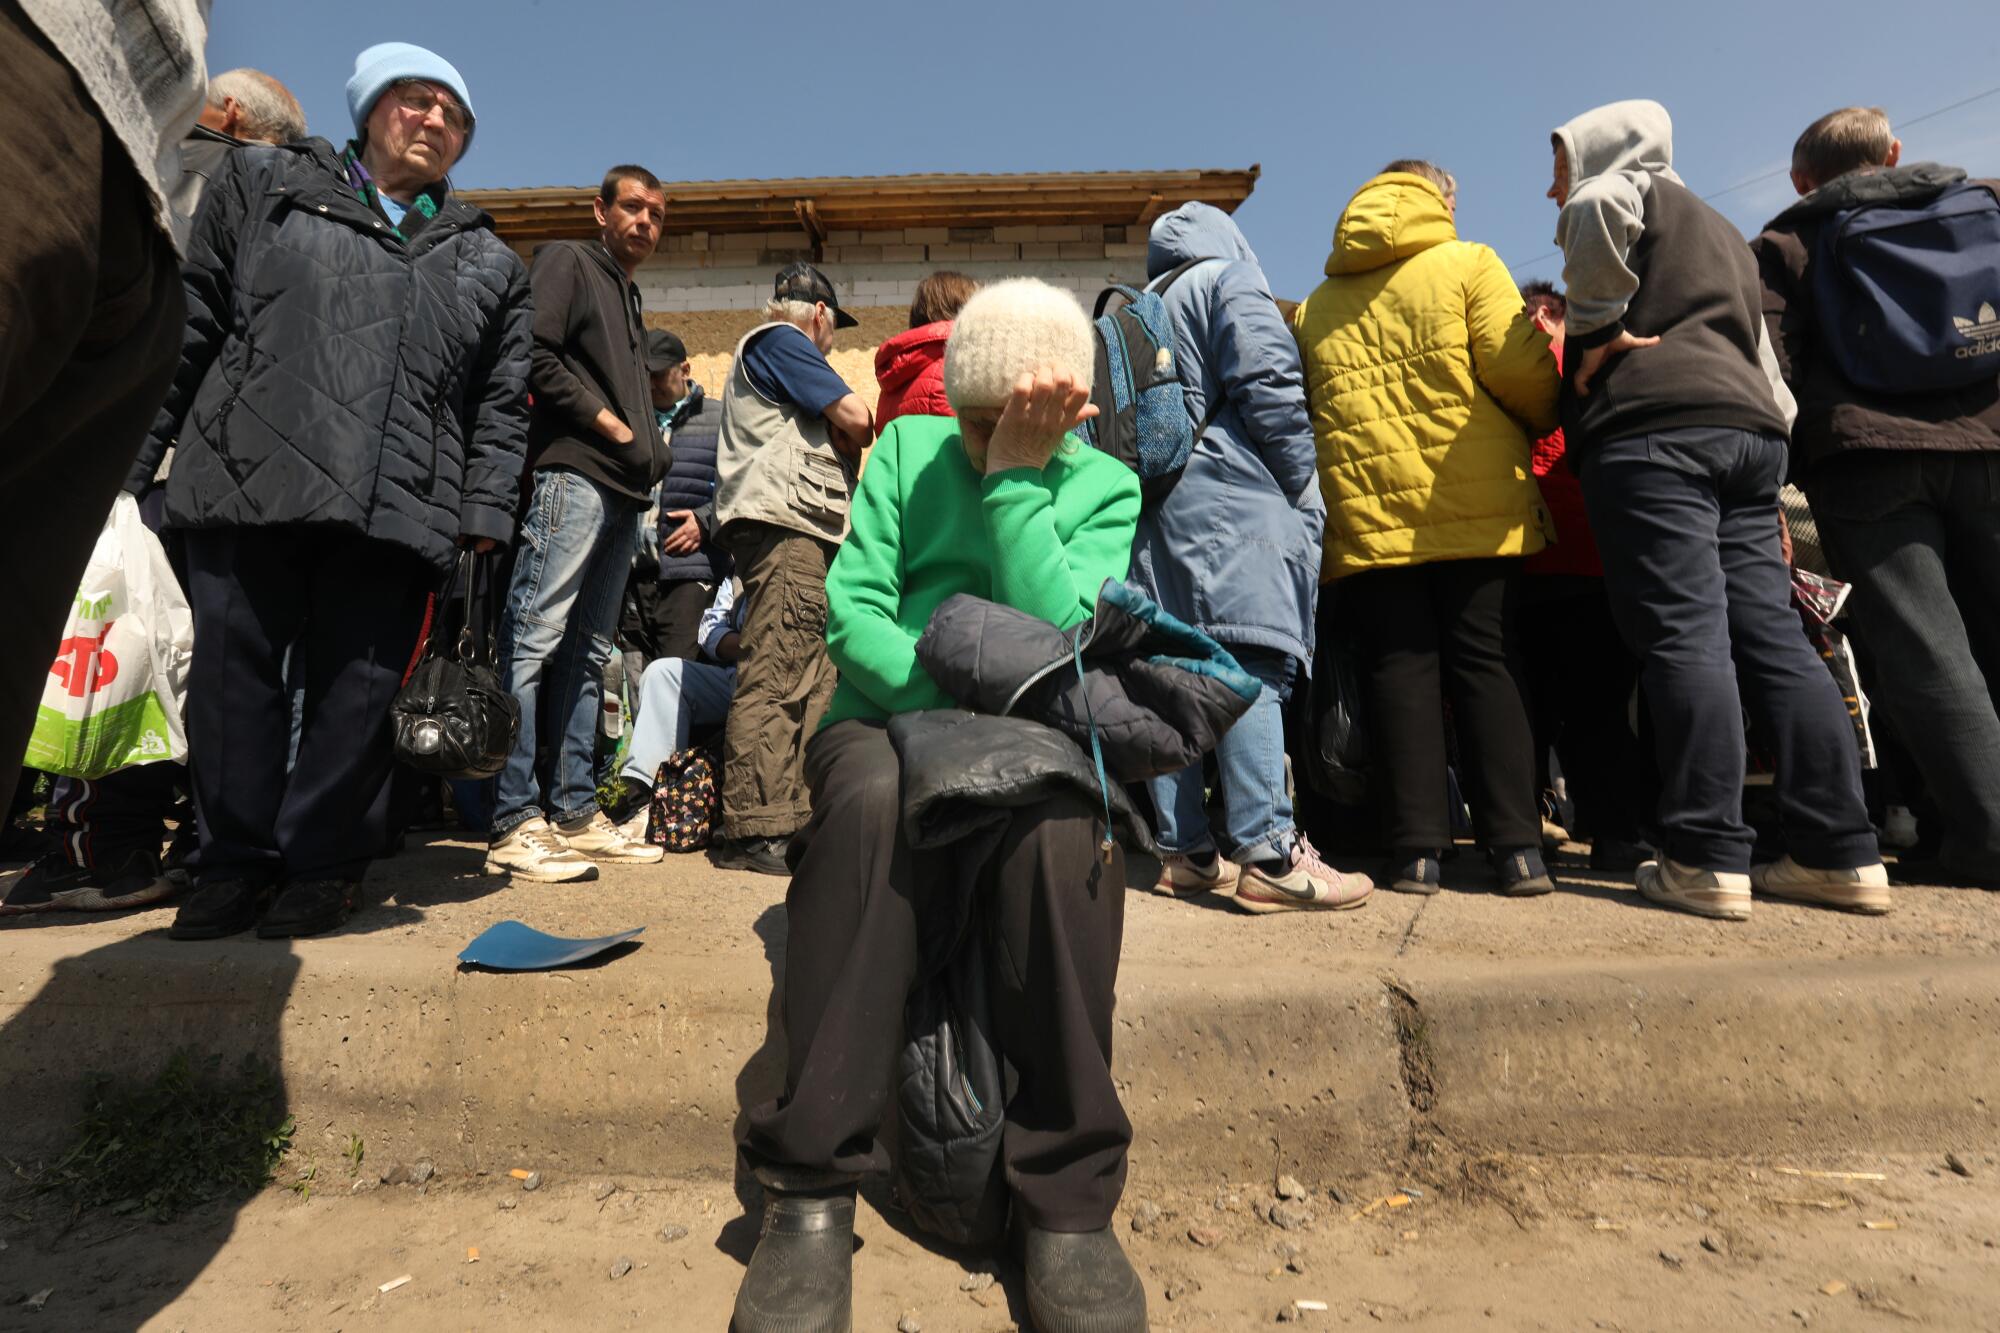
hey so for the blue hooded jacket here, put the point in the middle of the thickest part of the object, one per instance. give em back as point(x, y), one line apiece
point(1234, 549)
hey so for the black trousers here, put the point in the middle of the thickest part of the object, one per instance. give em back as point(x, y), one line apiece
point(1687, 521)
point(1056, 916)
point(1424, 631)
point(91, 316)
point(1580, 684)
point(663, 619)
point(351, 609)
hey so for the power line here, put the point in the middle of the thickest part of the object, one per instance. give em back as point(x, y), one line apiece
point(1785, 170)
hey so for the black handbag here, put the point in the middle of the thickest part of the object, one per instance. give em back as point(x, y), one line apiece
point(453, 717)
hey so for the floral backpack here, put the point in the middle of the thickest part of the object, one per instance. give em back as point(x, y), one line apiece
point(687, 799)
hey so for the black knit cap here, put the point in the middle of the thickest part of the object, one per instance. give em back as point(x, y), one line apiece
point(803, 282)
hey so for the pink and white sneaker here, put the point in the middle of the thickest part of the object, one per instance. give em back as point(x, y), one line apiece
point(1305, 883)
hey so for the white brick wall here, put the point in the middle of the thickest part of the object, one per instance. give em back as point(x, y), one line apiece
point(882, 268)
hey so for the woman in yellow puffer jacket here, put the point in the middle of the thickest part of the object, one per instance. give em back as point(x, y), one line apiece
point(1426, 381)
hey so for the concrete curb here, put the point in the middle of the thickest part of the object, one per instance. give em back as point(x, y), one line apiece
point(638, 1067)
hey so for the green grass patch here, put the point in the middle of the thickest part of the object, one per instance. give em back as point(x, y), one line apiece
point(192, 1134)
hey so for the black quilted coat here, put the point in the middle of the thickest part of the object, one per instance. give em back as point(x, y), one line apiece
point(333, 374)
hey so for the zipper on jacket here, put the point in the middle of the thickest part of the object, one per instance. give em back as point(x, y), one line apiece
point(235, 392)
point(1081, 641)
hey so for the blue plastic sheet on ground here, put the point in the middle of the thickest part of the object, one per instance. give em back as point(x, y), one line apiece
point(511, 946)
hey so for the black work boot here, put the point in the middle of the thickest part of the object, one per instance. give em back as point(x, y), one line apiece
point(219, 908)
point(1081, 1282)
point(801, 1279)
point(309, 907)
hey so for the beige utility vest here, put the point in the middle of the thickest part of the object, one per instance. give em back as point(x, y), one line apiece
point(775, 464)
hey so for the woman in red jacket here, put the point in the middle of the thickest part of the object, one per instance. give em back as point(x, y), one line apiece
point(910, 366)
point(1580, 676)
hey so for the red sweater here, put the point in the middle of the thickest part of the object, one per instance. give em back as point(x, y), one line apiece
point(1574, 551)
point(910, 369)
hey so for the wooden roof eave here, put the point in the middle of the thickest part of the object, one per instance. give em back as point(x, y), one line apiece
point(881, 203)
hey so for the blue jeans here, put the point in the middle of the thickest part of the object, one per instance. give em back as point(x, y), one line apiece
point(1918, 535)
point(1257, 809)
point(676, 695)
point(562, 611)
point(1687, 521)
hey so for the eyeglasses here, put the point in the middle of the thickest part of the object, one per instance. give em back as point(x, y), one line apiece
point(420, 97)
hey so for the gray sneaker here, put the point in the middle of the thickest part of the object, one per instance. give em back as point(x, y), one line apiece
point(601, 840)
point(535, 851)
point(1721, 894)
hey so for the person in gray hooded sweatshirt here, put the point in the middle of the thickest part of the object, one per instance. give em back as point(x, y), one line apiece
point(1674, 409)
point(1234, 550)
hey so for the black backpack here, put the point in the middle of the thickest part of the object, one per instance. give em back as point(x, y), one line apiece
point(454, 717)
point(1907, 293)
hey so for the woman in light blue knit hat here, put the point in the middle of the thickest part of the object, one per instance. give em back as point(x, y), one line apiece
point(350, 411)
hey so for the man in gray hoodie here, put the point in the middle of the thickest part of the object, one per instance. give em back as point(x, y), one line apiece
point(1678, 420)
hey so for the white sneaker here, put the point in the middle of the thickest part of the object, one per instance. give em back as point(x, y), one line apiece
point(1722, 894)
point(634, 828)
point(534, 851)
point(601, 840)
point(1182, 876)
point(1304, 883)
point(1862, 889)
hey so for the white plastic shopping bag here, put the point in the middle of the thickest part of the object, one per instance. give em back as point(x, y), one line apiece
point(115, 691)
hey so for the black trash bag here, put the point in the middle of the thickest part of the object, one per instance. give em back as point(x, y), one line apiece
point(1338, 759)
point(453, 717)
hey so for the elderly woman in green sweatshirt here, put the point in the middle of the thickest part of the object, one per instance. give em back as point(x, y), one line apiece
point(1004, 503)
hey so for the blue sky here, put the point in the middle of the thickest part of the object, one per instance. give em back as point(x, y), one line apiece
point(1322, 94)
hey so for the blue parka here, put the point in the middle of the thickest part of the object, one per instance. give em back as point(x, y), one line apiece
point(1234, 549)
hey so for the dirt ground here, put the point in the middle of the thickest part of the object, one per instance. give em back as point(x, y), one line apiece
point(1497, 1243)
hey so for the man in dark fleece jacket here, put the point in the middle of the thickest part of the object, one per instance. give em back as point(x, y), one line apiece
point(1905, 489)
point(1673, 407)
point(596, 452)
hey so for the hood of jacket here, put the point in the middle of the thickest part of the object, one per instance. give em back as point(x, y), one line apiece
point(901, 359)
point(1392, 217)
point(1194, 231)
point(1635, 136)
point(1886, 185)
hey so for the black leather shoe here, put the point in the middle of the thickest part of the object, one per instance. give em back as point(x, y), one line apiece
point(218, 908)
point(801, 1279)
point(309, 907)
point(766, 856)
point(1081, 1282)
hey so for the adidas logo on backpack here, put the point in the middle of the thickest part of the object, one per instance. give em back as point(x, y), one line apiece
point(1891, 280)
point(1982, 335)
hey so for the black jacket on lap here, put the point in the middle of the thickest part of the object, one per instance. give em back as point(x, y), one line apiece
point(335, 375)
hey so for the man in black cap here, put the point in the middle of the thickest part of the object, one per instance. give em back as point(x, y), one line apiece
point(790, 449)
